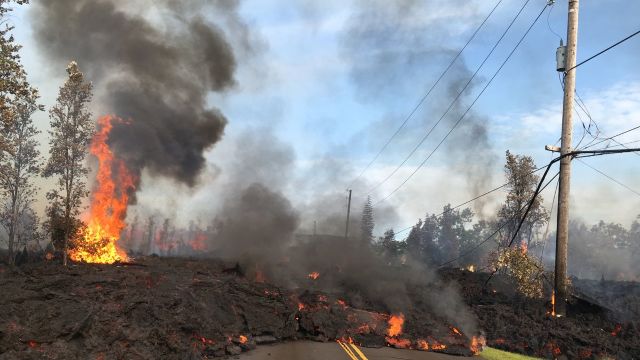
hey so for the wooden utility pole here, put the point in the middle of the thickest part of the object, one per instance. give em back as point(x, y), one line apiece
point(346, 230)
point(562, 234)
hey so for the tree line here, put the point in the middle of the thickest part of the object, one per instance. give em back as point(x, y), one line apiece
point(71, 130)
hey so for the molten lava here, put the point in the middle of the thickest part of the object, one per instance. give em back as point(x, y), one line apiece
point(477, 344)
point(109, 201)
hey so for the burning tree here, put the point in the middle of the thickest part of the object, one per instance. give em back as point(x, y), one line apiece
point(70, 134)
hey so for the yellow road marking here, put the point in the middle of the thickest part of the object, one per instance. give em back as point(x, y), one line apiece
point(346, 349)
point(358, 351)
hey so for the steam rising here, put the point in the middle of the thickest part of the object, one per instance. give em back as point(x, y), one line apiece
point(156, 76)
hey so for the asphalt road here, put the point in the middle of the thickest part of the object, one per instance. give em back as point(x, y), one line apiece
point(309, 350)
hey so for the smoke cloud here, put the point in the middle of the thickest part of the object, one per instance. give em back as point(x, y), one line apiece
point(396, 50)
point(154, 71)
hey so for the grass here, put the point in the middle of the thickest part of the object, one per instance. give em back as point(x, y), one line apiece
point(493, 354)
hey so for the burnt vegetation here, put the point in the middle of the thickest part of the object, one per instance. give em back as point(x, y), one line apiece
point(103, 282)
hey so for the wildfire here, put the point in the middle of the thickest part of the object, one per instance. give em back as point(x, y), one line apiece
point(395, 324)
point(314, 275)
point(243, 339)
point(553, 303)
point(456, 331)
point(109, 200)
point(471, 268)
point(199, 242)
point(524, 248)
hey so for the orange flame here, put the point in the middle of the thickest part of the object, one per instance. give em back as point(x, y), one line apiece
point(456, 331)
point(524, 248)
point(243, 339)
point(423, 345)
point(109, 202)
point(477, 344)
point(399, 343)
point(395, 325)
point(314, 275)
point(553, 303)
point(199, 242)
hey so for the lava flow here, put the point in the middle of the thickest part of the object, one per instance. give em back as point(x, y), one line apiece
point(109, 200)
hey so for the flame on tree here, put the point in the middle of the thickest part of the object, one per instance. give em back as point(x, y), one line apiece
point(97, 242)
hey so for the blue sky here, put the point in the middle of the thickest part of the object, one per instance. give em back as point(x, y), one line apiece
point(309, 85)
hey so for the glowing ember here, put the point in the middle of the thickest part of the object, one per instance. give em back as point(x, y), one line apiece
point(342, 303)
point(399, 343)
point(395, 325)
point(109, 200)
point(260, 278)
point(616, 331)
point(553, 303)
point(243, 339)
point(423, 345)
point(314, 275)
point(49, 256)
point(477, 344)
point(32, 344)
point(199, 242)
point(300, 306)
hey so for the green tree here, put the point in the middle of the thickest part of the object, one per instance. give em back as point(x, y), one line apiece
point(522, 183)
point(19, 168)
point(70, 134)
point(367, 224)
point(13, 83)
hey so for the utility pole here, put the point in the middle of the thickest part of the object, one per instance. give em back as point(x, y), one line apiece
point(562, 233)
point(346, 230)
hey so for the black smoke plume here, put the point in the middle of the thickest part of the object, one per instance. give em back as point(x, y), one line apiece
point(155, 71)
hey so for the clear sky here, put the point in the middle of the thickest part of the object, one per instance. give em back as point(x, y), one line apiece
point(333, 80)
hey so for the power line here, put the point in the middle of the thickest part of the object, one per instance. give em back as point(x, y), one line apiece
point(573, 154)
point(605, 50)
point(469, 108)
point(475, 198)
point(505, 223)
point(609, 177)
point(424, 97)
point(612, 137)
point(424, 138)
